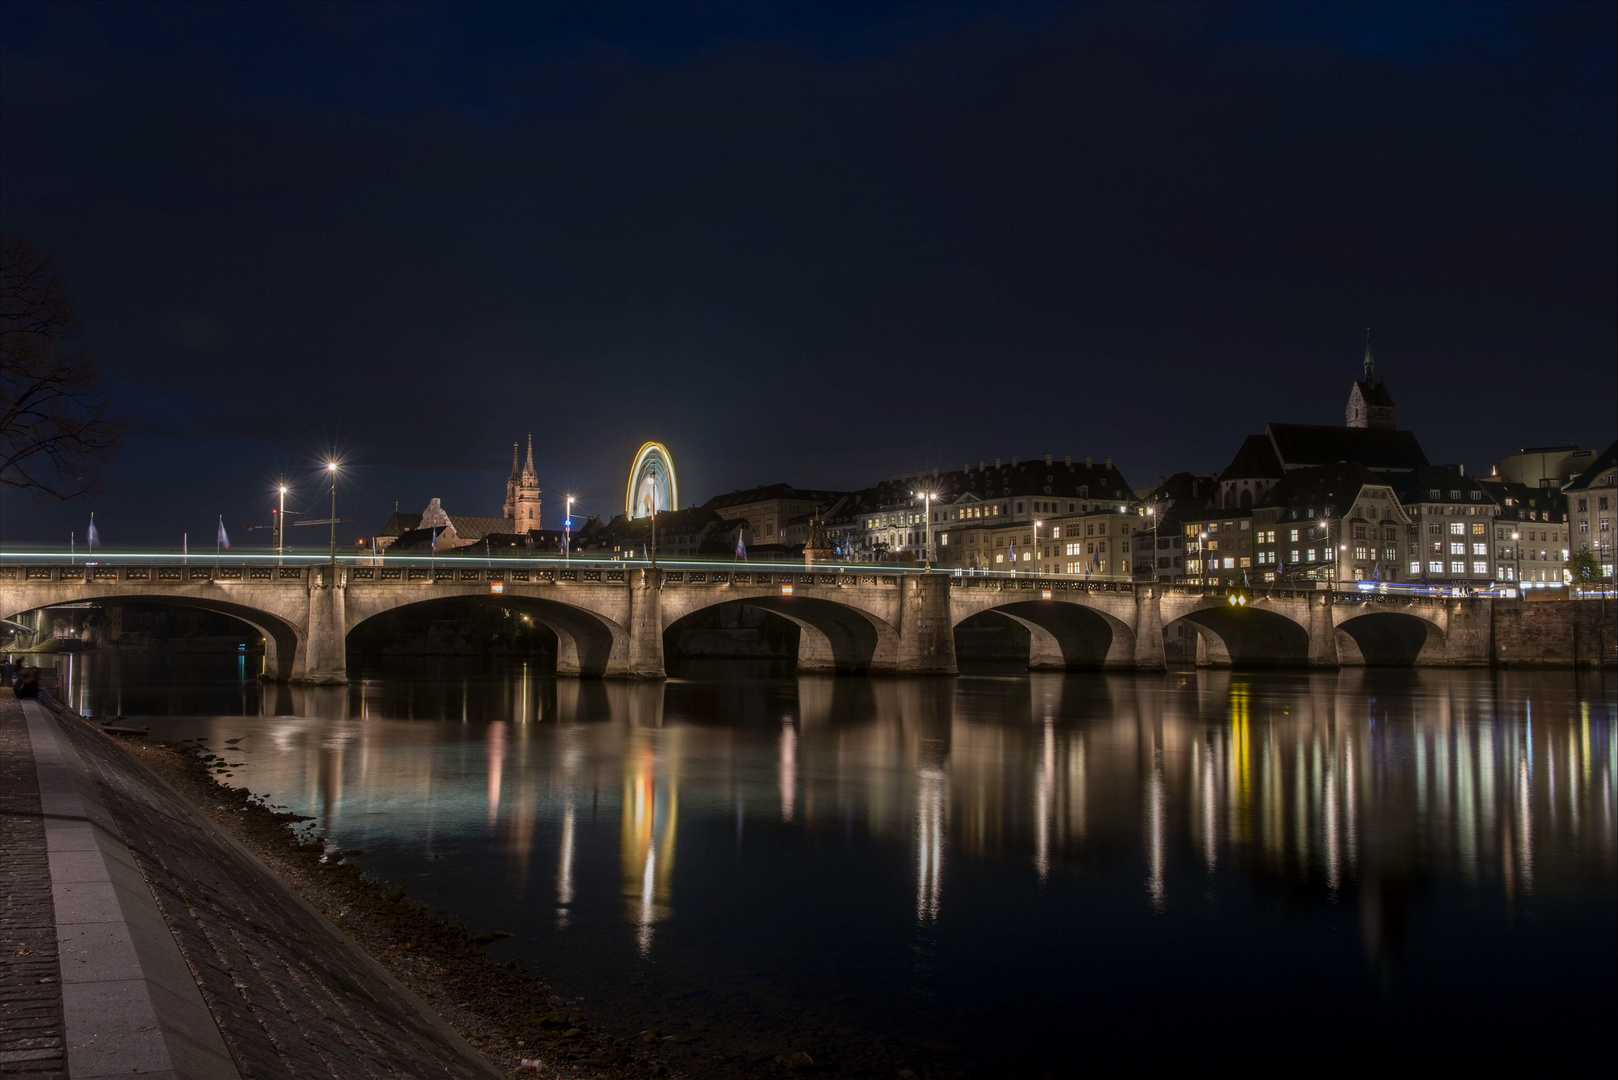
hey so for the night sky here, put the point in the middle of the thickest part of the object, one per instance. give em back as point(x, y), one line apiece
point(819, 243)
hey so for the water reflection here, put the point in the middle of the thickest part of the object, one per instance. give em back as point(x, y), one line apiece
point(999, 800)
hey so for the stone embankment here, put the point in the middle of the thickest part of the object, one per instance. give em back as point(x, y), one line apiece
point(157, 923)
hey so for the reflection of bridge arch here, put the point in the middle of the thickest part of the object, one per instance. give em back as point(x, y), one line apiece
point(587, 643)
point(1064, 635)
point(832, 636)
point(1246, 636)
point(282, 638)
point(1389, 639)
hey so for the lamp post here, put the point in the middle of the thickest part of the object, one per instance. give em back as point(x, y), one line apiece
point(1151, 560)
point(1516, 554)
point(926, 498)
point(331, 470)
point(281, 525)
point(1202, 552)
point(567, 531)
point(1037, 524)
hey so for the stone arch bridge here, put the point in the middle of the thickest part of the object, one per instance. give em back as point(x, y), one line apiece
point(610, 619)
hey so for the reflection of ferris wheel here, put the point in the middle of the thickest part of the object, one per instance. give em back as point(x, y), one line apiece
point(652, 486)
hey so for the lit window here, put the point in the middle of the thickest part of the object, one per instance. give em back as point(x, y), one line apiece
point(1457, 568)
point(1415, 568)
point(1435, 568)
point(1456, 528)
point(1480, 568)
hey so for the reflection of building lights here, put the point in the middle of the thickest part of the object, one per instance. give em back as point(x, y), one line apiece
point(1154, 832)
point(1044, 800)
point(497, 758)
point(564, 869)
point(647, 840)
point(787, 769)
point(929, 844)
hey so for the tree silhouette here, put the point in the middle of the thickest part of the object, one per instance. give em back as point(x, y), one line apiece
point(55, 425)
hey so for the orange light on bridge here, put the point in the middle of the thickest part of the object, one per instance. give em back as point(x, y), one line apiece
point(1044, 594)
point(786, 590)
point(497, 587)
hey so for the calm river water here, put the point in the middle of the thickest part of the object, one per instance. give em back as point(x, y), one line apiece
point(1000, 874)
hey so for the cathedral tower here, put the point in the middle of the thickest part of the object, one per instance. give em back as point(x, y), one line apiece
point(1369, 403)
point(526, 504)
point(511, 488)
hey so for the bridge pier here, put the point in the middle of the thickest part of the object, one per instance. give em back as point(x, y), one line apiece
point(1149, 654)
point(1322, 633)
point(644, 659)
point(926, 626)
point(323, 652)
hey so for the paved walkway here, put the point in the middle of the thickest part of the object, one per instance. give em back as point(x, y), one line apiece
point(175, 953)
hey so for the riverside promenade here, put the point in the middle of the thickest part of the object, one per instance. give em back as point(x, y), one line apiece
point(137, 939)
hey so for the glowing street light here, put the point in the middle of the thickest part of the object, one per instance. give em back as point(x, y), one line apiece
point(927, 498)
point(567, 530)
point(331, 470)
point(1516, 554)
point(1037, 524)
point(281, 525)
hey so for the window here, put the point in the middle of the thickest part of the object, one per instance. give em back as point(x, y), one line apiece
point(1604, 526)
point(1293, 555)
point(1480, 549)
point(1435, 529)
point(1360, 552)
point(1480, 568)
point(1457, 568)
point(1230, 563)
point(1359, 532)
point(1294, 539)
point(1435, 568)
point(1311, 555)
point(1457, 549)
point(1457, 529)
point(1479, 529)
point(1584, 504)
point(1415, 568)
point(1390, 554)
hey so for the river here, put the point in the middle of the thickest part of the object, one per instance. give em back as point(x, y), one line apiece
point(997, 874)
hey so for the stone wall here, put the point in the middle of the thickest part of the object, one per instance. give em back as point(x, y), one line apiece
point(1582, 632)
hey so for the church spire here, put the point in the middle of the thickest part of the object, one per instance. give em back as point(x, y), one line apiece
point(1370, 361)
point(528, 470)
point(514, 461)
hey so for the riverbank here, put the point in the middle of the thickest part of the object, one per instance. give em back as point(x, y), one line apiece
point(231, 901)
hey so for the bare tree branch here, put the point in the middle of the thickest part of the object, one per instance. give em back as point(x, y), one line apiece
point(55, 424)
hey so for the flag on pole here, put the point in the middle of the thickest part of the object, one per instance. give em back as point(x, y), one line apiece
point(224, 537)
point(741, 546)
point(92, 539)
point(435, 539)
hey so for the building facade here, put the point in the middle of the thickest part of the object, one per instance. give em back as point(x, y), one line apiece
point(1592, 502)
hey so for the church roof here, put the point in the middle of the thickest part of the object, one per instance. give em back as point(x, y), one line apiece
point(1420, 485)
point(467, 526)
point(771, 492)
point(1255, 460)
point(1299, 445)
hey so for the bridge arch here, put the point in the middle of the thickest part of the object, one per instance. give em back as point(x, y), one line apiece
point(1376, 638)
point(587, 643)
point(832, 636)
point(1245, 636)
point(282, 639)
point(1065, 635)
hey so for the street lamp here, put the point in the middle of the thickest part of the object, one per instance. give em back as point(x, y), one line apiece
point(926, 498)
point(1037, 552)
point(1151, 561)
point(281, 525)
point(331, 470)
point(1202, 553)
point(1516, 553)
point(567, 531)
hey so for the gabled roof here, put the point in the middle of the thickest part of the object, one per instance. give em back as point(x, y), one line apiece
point(1419, 484)
point(770, 492)
point(1326, 489)
point(1517, 501)
point(1598, 468)
point(1303, 445)
point(1255, 460)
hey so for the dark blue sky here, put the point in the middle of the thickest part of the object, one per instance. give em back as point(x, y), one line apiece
point(816, 243)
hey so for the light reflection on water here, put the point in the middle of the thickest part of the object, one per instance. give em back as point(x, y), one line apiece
point(889, 866)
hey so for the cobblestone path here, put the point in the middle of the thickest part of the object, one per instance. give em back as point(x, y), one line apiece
point(30, 989)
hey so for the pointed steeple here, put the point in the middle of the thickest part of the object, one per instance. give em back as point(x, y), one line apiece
point(1370, 361)
point(528, 471)
point(514, 461)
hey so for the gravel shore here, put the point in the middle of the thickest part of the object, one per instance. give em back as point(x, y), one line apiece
point(507, 1014)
